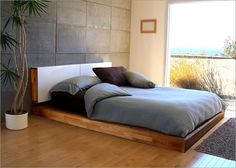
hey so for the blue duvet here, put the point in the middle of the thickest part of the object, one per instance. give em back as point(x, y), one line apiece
point(170, 111)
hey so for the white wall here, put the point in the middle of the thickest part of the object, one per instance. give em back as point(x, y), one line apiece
point(147, 51)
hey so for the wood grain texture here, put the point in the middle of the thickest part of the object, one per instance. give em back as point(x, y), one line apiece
point(34, 84)
point(128, 132)
point(48, 143)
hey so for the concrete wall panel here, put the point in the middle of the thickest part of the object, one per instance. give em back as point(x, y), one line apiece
point(71, 39)
point(41, 37)
point(126, 4)
point(98, 41)
point(71, 12)
point(119, 41)
point(104, 2)
point(62, 59)
point(120, 19)
point(98, 16)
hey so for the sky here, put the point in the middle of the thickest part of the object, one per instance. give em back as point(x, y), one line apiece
point(201, 24)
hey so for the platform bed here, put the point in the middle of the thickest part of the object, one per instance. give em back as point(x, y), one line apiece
point(41, 86)
point(128, 132)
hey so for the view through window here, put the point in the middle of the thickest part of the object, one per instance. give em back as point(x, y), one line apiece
point(202, 46)
point(201, 28)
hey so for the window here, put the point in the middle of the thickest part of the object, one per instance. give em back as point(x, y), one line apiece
point(200, 33)
point(201, 28)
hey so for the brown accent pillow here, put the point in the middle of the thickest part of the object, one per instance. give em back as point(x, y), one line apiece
point(66, 101)
point(112, 75)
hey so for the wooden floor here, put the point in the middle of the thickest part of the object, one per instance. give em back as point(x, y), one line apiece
point(47, 143)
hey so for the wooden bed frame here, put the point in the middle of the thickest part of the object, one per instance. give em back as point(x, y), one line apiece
point(128, 132)
point(40, 93)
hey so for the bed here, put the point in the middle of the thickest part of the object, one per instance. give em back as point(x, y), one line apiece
point(166, 117)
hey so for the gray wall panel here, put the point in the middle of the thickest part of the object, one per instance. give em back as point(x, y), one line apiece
point(71, 12)
point(62, 59)
point(41, 37)
point(125, 4)
point(120, 41)
point(98, 40)
point(120, 19)
point(104, 2)
point(98, 16)
point(71, 39)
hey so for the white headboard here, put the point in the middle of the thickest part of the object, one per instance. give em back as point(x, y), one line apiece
point(44, 78)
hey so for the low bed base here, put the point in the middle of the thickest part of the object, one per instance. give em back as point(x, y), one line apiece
point(128, 132)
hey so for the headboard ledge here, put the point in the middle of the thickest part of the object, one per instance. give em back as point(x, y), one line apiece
point(44, 78)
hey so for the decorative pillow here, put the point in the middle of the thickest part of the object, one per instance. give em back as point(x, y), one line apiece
point(75, 84)
point(66, 101)
point(112, 75)
point(138, 80)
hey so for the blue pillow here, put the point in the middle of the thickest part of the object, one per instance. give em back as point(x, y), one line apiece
point(75, 84)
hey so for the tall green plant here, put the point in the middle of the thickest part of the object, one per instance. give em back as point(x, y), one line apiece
point(15, 71)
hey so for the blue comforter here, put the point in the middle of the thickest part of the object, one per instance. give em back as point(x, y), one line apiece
point(168, 110)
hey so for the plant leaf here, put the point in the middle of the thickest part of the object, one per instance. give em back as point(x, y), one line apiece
point(5, 25)
point(7, 41)
point(7, 74)
point(36, 7)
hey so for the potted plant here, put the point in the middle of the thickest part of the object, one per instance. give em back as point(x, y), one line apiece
point(15, 72)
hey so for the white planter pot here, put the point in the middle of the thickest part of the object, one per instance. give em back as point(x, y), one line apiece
point(16, 122)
